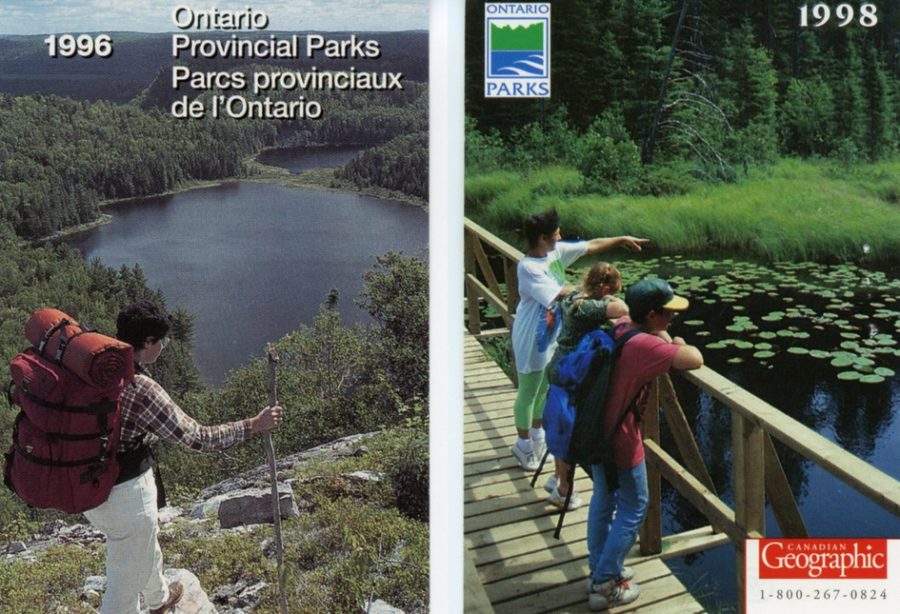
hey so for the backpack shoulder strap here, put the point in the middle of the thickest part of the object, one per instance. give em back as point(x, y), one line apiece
point(621, 340)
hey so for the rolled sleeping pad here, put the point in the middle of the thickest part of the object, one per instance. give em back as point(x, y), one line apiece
point(98, 360)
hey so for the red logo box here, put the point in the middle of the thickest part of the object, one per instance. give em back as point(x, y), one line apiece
point(823, 559)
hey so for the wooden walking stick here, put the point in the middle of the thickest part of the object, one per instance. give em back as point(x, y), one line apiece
point(270, 457)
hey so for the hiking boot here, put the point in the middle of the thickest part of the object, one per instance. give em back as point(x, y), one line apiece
point(176, 590)
point(559, 500)
point(526, 459)
point(612, 593)
point(627, 574)
point(551, 484)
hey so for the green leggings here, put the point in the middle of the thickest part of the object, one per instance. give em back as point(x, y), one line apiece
point(531, 398)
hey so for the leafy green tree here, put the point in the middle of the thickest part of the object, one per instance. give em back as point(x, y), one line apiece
point(484, 152)
point(806, 118)
point(395, 294)
point(607, 157)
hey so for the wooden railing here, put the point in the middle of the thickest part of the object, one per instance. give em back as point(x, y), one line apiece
point(490, 264)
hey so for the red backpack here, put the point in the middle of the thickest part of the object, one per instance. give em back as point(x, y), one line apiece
point(65, 437)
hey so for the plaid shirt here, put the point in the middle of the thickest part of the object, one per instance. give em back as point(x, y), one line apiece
point(149, 413)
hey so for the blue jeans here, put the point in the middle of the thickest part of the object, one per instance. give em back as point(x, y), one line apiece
point(610, 538)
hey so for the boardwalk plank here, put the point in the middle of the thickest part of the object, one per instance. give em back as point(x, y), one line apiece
point(509, 525)
point(546, 589)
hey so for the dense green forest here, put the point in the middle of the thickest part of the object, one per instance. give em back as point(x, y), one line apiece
point(60, 157)
point(660, 105)
point(401, 164)
point(736, 84)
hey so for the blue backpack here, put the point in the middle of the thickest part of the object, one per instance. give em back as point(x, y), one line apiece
point(575, 410)
point(574, 413)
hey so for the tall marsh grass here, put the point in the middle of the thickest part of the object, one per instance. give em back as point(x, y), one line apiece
point(795, 210)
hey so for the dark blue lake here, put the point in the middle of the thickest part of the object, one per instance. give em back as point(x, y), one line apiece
point(254, 261)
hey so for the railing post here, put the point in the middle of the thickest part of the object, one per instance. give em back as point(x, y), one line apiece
point(651, 530)
point(471, 294)
point(511, 279)
point(748, 440)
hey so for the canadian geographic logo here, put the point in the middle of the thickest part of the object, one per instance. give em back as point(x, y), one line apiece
point(517, 50)
point(833, 559)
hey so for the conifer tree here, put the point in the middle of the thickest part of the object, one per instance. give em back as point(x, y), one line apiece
point(846, 72)
point(878, 116)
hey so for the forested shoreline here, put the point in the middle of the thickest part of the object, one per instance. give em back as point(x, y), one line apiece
point(59, 158)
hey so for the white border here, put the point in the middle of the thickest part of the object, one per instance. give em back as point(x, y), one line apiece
point(446, 102)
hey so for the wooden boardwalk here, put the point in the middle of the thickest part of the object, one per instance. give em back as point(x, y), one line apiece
point(509, 526)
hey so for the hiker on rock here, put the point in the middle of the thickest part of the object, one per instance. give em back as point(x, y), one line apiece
point(585, 309)
point(617, 510)
point(541, 275)
point(129, 516)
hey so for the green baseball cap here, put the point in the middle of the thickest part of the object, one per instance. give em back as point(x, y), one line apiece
point(645, 295)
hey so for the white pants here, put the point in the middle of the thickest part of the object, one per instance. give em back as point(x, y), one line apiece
point(133, 558)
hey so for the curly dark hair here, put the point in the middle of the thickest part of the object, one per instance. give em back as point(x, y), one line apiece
point(140, 321)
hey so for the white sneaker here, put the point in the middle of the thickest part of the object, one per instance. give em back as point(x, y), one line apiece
point(627, 574)
point(539, 448)
point(551, 484)
point(612, 593)
point(559, 500)
point(526, 459)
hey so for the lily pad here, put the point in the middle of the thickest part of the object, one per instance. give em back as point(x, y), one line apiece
point(842, 361)
point(884, 372)
point(735, 361)
point(797, 350)
point(763, 354)
point(849, 375)
point(871, 379)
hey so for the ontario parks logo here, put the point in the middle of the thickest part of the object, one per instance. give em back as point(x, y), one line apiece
point(517, 50)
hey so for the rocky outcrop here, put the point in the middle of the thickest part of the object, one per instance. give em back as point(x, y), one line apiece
point(193, 601)
point(253, 506)
point(235, 502)
point(259, 477)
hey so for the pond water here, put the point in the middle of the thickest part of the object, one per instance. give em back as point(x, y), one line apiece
point(819, 342)
point(299, 159)
point(254, 261)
